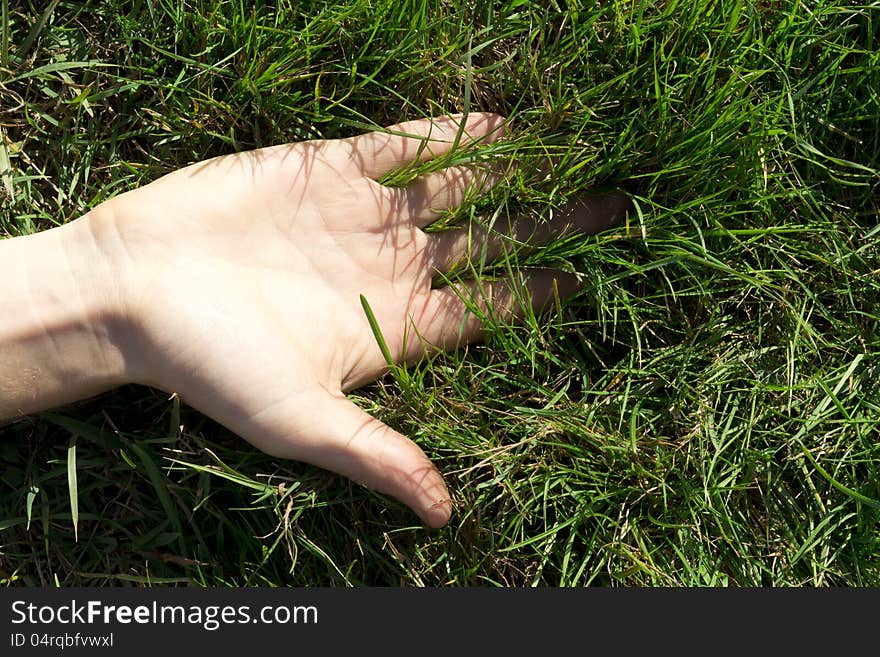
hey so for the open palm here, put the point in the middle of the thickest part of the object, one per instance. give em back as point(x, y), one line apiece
point(244, 277)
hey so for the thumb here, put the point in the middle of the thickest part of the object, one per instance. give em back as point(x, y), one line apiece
point(343, 438)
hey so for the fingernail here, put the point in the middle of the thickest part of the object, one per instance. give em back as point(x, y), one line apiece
point(438, 514)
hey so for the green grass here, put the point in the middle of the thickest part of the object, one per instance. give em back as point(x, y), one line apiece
point(704, 412)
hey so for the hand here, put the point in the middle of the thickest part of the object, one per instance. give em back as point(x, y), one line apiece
point(240, 280)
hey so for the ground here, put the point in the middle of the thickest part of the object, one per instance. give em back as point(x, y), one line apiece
point(705, 410)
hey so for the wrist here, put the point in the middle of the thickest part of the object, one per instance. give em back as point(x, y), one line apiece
point(99, 306)
point(113, 233)
point(102, 264)
point(62, 322)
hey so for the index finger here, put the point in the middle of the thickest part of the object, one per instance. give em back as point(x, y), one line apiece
point(377, 153)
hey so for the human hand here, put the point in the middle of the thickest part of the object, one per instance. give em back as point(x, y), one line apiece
point(239, 281)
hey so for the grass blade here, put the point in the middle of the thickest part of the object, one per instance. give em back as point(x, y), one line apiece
point(34, 34)
point(29, 504)
point(4, 33)
point(6, 168)
point(72, 488)
point(377, 332)
point(158, 482)
point(864, 499)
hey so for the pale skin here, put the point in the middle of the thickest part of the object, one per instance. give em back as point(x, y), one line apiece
point(236, 283)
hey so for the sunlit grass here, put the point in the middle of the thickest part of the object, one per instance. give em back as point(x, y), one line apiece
point(704, 412)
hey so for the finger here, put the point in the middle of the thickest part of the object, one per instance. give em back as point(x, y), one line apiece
point(456, 314)
point(333, 433)
point(587, 215)
point(425, 199)
point(377, 153)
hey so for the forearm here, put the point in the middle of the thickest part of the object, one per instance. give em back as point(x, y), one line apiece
point(60, 325)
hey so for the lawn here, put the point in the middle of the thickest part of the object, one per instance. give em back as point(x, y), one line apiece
point(704, 412)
